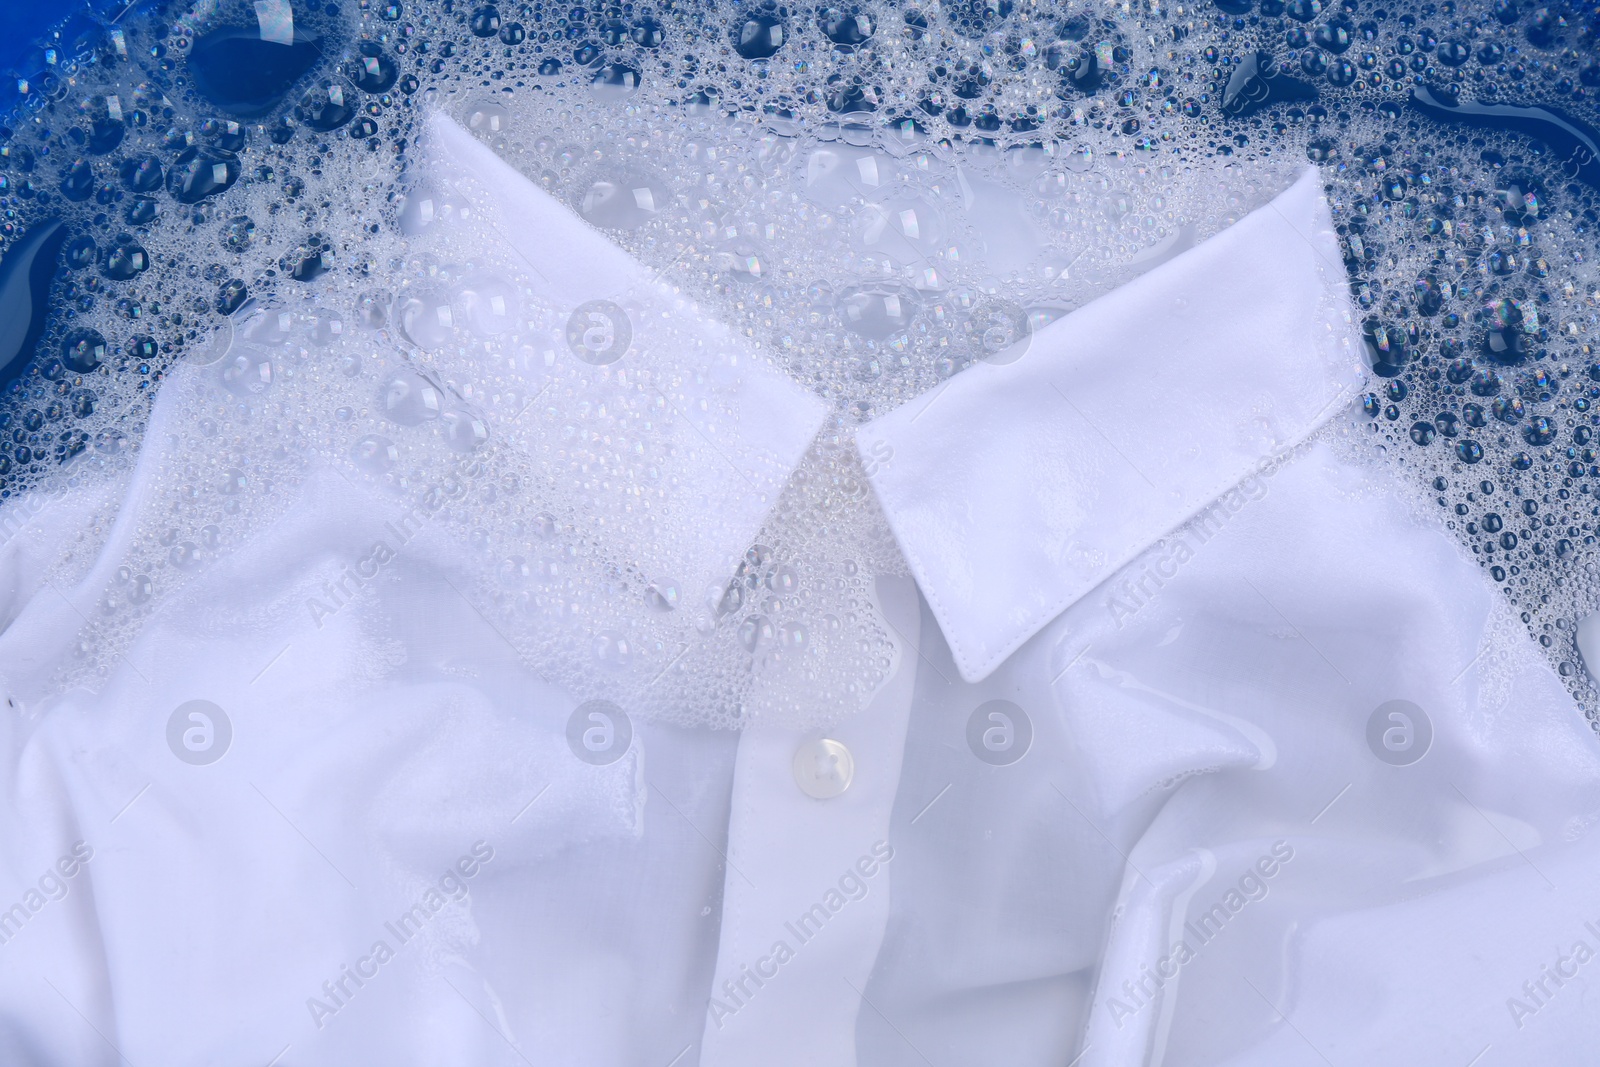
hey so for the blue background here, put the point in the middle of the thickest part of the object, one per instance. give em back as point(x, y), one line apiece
point(23, 21)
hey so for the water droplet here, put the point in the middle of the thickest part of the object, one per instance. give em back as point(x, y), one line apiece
point(662, 594)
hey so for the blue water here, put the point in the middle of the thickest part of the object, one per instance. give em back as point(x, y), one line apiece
point(22, 22)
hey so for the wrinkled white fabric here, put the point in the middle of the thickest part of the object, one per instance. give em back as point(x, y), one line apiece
point(1201, 706)
point(1179, 840)
point(1179, 742)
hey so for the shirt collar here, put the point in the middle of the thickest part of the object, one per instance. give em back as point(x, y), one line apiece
point(1016, 488)
point(724, 431)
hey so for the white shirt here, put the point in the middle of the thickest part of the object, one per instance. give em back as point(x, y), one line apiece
point(1199, 743)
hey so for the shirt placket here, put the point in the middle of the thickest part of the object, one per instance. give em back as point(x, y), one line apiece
point(809, 868)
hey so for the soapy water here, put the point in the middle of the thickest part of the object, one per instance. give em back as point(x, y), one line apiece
point(872, 196)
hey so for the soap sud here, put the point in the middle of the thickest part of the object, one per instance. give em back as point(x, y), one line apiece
point(863, 254)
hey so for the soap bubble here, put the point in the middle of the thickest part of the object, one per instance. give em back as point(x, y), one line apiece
point(247, 371)
point(908, 229)
point(489, 304)
point(324, 327)
point(663, 594)
point(624, 202)
point(487, 117)
point(871, 202)
point(425, 317)
point(423, 207)
point(375, 454)
point(755, 631)
point(83, 350)
point(612, 649)
point(999, 330)
point(876, 311)
point(409, 399)
point(464, 431)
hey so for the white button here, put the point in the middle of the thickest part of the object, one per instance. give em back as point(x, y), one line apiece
point(823, 768)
